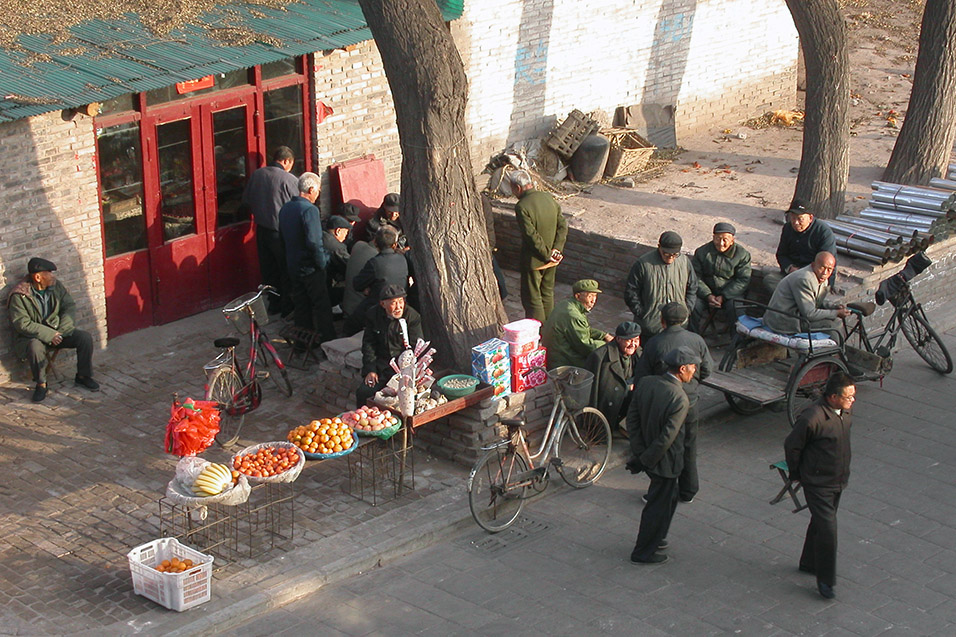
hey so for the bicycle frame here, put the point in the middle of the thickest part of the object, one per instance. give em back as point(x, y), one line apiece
point(905, 307)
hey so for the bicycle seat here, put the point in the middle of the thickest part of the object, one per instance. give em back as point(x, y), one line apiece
point(228, 341)
point(513, 422)
point(865, 308)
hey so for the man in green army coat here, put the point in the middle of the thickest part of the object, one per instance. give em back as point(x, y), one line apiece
point(613, 367)
point(543, 233)
point(567, 333)
point(722, 267)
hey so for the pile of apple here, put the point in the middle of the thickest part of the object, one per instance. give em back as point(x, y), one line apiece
point(369, 419)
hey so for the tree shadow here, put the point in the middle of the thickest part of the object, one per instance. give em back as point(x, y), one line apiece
point(530, 87)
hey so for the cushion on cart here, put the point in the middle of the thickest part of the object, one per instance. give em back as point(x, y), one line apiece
point(754, 328)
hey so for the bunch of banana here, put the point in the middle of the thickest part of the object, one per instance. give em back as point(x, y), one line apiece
point(212, 480)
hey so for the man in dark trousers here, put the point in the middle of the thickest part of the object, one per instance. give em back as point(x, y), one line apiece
point(818, 456)
point(388, 267)
point(723, 273)
point(613, 367)
point(675, 335)
point(543, 233)
point(306, 258)
point(268, 189)
point(655, 422)
point(392, 326)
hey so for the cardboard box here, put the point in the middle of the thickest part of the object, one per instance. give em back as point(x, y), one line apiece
point(490, 355)
point(522, 376)
point(499, 373)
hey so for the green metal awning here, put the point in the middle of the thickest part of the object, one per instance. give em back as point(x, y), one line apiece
point(103, 59)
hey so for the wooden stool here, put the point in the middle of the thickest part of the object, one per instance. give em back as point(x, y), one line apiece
point(789, 486)
point(51, 355)
point(302, 343)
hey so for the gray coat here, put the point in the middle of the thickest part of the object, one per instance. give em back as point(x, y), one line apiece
point(652, 283)
point(652, 362)
point(268, 189)
point(799, 294)
point(655, 422)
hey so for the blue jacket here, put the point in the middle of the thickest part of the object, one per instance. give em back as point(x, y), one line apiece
point(301, 232)
point(269, 188)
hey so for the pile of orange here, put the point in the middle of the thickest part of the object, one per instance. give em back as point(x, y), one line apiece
point(327, 435)
point(174, 565)
point(267, 461)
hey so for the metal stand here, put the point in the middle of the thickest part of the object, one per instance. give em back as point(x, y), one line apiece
point(381, 470)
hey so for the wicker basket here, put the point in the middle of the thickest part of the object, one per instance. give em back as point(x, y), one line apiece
point(566, 138)
point(629, 152)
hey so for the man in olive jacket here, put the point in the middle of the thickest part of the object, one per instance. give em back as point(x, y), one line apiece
point(660, 277)
point(818, 457)
point(543, 233)
point(42, 313)
point(613, 367)
point(723, 271)
point(655, 422)
point(567, 333)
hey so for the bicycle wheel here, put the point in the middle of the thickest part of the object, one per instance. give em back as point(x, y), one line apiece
point(927, 343)
point(584, 448)
point(807, 385)
point(222, 388)
point(274, 365)
point(495, 504)
point(742, 406)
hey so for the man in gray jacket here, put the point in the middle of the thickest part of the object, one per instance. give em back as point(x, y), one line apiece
point(802, 295)
point(660, 277)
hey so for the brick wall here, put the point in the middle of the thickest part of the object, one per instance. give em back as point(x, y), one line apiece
point(49, 198)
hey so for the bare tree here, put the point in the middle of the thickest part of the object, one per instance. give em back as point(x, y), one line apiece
point(825, 163)
point(441, 209)
point(925, 142)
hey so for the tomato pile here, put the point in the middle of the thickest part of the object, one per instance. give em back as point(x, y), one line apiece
point(327, 435)
point(267, 461)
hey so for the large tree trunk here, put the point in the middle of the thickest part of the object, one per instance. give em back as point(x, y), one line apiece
point(825, 164)
point(926, 140)
point(441, 209)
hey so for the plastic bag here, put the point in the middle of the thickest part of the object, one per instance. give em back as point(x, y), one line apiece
point(192, 427)
point(179, 489)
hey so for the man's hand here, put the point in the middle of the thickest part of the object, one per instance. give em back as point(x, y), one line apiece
point(608, 338)
point(556, 256)
point(371, 379)
point(715, 301)
point(842, 312)
point(57, 339)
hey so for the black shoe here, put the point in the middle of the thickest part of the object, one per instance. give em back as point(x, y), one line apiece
point(826, 591)
point(686, 500)
point(663, 545)
point(806, 569)
point(88, 382)
point(644, 497)
point(39, 393)
point(657, 558)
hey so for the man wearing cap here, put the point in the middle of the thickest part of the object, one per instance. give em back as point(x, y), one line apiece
point(543, 234)
point(334, 241)
point(354, 300)
point(659, 277)
point(613, 367)
point(307, 259)
point(802, 295)
point(722, 267)
point(388, 267)
point(655, 422)
point(567, 333)
point(801, 239)
point(387, 215)
point(674, 336)
point(349, 212)
point(42, 313)
point(392, 326)
point(268, 189)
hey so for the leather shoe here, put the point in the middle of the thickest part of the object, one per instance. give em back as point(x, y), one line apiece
point(686, 500)
point(656, 558)
point(39, 393)
point(663, 545)
point(88, 382)
point(826, 591)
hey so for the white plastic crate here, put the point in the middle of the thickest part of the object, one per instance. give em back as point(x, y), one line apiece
point(175, 591)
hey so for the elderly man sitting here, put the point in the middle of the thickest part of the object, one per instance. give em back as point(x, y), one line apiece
point(613, 367)
point(722, 267)
point(802, 295)
point(567, 333)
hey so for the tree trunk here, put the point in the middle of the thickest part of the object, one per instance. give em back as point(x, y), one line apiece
point(441, 209)
point(925, 142)
point(825, 164)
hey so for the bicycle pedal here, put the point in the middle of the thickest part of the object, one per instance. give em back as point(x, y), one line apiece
point(557, 462)
point(262, 374)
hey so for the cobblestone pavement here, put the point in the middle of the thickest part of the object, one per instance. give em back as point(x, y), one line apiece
point(565, 570)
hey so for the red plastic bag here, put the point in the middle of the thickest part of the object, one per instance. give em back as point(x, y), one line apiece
point(192, 427)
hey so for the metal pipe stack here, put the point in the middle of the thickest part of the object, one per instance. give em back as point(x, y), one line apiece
point(899, 220)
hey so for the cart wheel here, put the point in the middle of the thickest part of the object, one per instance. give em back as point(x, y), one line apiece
point(807, 384)
point(741, 405)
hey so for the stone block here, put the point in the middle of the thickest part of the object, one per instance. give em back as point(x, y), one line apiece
point(337, 351)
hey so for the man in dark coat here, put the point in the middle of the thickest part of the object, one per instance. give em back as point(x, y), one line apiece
point(722, 267)
point(352, 299)
point(392, 326)
point(334, 241)
point(388, 267)
point(801, 239)
point(655, 422)
point(660, 277)
point(306, 258)
point(543, 233)
point(818, 457)
point(674, 335)
point(268, 189)
point(42, 313)
point(613, 367)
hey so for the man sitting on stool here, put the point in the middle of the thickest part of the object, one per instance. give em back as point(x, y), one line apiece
point(391, 327)
point(41, 311)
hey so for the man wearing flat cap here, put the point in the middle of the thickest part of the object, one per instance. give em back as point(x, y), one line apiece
point(391, 327)
point(675, 336)
point(655, 422)
point(334, 239)
point(388, 215)
point(42, 313)
point(613, 367)
point(801, 239)
point(722, 267)
point(659, 277)
point(567, 333)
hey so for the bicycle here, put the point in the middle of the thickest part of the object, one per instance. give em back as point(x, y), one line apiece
point(236, 387)
point(577, 445)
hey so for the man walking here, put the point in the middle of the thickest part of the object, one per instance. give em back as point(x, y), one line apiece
point(818, 456)
point(543, 233)
point(268, 189)
point(655, 422)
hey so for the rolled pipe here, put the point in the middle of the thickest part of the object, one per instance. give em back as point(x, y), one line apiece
point(875, 236)
point(912, 210)
point(946, 184)
point(863, 256)
point(917, 221)
point(924, 192)
point(873, 224)
point(910, 201)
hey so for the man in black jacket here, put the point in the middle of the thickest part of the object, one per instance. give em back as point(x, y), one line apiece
point(334, 240)
point(391, 328)
point(388, 267)
point(818, 456)
point(613, 367)
point(655, 422)
point(801, 239)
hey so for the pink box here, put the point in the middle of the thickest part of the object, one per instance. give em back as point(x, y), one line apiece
point(522, 377)
point(522, 331)
point(517, 349)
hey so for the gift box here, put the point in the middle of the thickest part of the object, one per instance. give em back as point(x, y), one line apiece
point(490, 355)
point(523, 373)
point(502, 387)
point(517, 349)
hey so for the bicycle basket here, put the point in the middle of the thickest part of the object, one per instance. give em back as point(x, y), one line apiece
point(574, 384)
point(236, 314)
